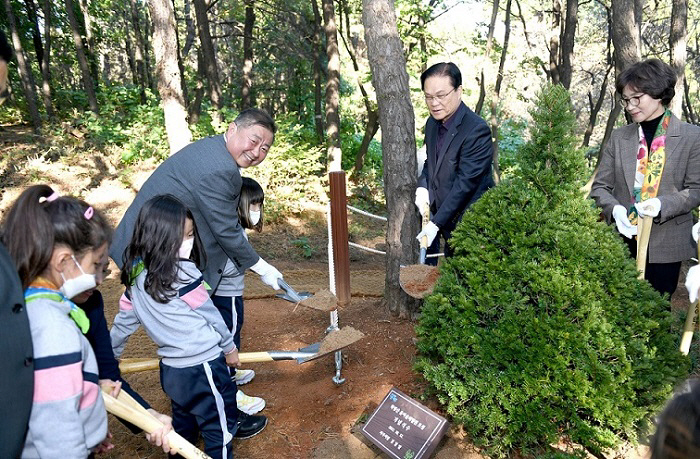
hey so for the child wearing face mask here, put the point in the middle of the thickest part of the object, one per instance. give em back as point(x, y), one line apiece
point(228, 297)
point(166, 294)
point(55, 244)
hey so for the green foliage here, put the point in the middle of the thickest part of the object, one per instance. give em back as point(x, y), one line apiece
point(304, 246)
point(538, 327)
point(510, 140)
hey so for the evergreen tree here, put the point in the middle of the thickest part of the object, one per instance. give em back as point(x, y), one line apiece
point(538, 327)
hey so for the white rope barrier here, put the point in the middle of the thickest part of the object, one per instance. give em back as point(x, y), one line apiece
point(366, 214)
point(366, 249)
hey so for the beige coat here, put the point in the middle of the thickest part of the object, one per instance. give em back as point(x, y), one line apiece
point(679, 192)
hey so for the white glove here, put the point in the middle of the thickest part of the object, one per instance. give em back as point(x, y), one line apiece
point(268, 273)
point(430, 231)
point(623, 223)
point(695, 230)
point(422, 198)
point(648, 208)
point(692, 283)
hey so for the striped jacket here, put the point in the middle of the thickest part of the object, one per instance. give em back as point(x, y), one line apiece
point(68, 417)
point(188, 329)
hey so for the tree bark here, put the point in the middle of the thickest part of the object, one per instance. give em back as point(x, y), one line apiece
point(168, 74)
point(332, 88)
point(625, 34)
point(497, 95)
point(142, 78)
point(247, 99)
point(318, 91)
point(88, 83)
point(189, 27)
point(36, 36)
point(91, 49)
point(489, 44)
point(554, 42)
point(45, 68)
point(677, 45)
point(25, 70)
point(567, 43)
point(210, 67)
point(396, 117)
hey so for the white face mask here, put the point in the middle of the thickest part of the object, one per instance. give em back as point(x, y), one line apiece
point(77, 285)
point(186, 248)
point(254, 217)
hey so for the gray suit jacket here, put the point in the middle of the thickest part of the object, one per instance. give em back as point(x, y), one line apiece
point(679, 192)
point(205, 177)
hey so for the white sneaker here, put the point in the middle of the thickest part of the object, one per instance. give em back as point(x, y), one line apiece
point(241, 377)
point(249, 405)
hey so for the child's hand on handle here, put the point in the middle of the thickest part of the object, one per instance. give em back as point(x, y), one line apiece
point(113, 387)
point(268, 273)
point(232, 358)
point(160, 437)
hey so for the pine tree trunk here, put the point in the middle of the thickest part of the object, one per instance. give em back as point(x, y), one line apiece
point(139, 51)
point(625, 34)
point(168, 74)
point(318, 91)
point(332, 87)
point(210, 67)
point(91, 49)
point(88, 83)
point(45, 67)
point(677, 45)
point(497, 95)
point(554, 43)
point(568, 37)
point(486, 61)
point(247, 100)
point(25, 70)
point(396, 118)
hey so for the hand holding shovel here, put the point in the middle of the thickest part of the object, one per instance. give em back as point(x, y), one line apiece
point(419, 280)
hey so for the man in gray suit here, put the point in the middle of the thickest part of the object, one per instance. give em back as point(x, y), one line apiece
point(205, 176)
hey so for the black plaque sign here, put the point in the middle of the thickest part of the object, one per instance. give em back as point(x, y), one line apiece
point(403, 428)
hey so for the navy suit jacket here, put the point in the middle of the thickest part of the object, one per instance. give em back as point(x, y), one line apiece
point(205, 177)
point(460, 172)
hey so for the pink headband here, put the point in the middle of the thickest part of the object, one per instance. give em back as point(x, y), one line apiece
point(52, 197)
point(89, 212)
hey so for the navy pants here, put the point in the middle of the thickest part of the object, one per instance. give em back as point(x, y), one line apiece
point(662, 276)
point(231, 309)
point(203, 399)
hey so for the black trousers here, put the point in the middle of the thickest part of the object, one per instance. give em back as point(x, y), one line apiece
point(662, 276)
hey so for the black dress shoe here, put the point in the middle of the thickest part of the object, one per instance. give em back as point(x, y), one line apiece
point(249, 426)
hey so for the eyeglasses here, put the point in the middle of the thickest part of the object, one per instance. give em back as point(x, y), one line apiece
point(631, 102)
point(439, 97)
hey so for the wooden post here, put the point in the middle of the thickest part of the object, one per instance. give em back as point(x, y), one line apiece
point(339, 228)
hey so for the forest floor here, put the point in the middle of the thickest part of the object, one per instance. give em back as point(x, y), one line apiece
point(309, 416)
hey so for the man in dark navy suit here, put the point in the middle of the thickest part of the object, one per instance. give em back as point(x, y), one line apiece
point(457, 169)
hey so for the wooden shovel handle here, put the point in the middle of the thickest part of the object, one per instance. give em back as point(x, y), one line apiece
point(149, 423)
point(144, 364)
point(425, 214)
point(644, 225)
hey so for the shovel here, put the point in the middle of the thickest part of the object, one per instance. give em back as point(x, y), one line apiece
point(687, 336)
point(419, 280)
point(643, 232)
point(334, 341)
point(128, 409)
point(290, 294)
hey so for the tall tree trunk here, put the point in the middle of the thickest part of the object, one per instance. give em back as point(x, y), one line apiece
point(625, 34)
point(88, 83)
point(372, 125)
point(396, 117)
point(554, 43)
point(189, 27)
point(595, 107)
point(247, 100)
point(36, 36)
point(567, 42)
point(486, 59)
point(139, 51)
point(130, 53)
point(168, 74)
point(25, 70)
point(194, 109)
point(45, 68)
point(497, 95)
point(318, 73)
point(91, 50)
point(210, 67)
point(332, 87)
point(677, 42)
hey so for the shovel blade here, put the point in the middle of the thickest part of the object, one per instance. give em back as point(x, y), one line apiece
point(418, 281)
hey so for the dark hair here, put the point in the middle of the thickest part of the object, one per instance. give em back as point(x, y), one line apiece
point(448, 69)
point(251, 193)
point(39, 220)
point(678, 428)
point(157, 237)
point(652, 76)
point(5, 48)
point(256, 117)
